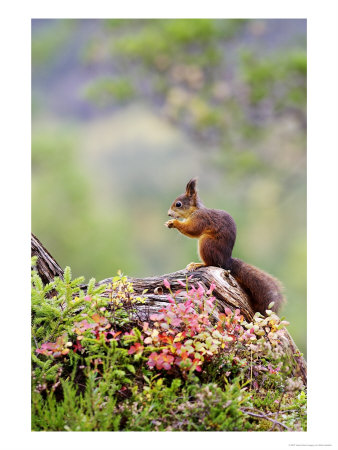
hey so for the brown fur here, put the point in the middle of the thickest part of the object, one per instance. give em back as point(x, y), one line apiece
point(216, 231)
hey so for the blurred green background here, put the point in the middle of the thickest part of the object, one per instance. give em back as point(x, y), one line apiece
point(125, 112)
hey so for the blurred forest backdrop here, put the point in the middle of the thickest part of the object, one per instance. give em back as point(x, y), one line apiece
point(125, 112)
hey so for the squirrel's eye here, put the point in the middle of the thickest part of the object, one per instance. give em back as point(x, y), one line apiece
point(178, 204)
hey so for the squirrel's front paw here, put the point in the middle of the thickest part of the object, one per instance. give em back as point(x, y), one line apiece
point(170, 223)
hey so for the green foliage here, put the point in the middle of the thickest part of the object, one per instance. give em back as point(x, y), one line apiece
point(50, 41)
point(93, 363)
point(92, 411)
point(189, 407)
point(165, 37)
point(281, 78)
point(105, 90)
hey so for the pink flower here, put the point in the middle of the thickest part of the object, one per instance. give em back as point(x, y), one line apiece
point(176, 322)
point(197, 363)
point(212, 287)
point(84, 325)
point(227, 311)
point(210, 301)
point(55, 349)
point(131, 333)
point(161, 361)
point(166, 283)
point(136, 348)
point(156, 317)
point(200, 290)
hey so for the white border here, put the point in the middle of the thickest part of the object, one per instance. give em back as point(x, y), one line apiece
point(322, 219)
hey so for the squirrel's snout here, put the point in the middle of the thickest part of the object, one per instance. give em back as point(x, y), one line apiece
point(171, 213)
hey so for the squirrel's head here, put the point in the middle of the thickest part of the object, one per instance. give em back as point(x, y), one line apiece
point(187, 203)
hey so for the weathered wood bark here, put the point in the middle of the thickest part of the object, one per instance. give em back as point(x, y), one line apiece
point(227, 291)
point(47, 267)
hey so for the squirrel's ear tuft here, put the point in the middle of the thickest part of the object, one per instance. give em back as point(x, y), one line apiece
point(191, 187)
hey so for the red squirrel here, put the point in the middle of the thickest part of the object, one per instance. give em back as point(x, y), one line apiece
point(216, 233)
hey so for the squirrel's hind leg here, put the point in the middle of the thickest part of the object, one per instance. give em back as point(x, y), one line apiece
point(193, 266)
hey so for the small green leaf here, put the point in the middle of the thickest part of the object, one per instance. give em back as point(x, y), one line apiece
point(131, 368)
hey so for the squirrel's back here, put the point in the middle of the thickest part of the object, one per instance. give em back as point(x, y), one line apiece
point(218, 238)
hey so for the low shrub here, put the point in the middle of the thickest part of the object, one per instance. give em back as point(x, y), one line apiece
point(97, 366)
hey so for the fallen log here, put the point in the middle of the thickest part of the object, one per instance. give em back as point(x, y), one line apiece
point(227, 291)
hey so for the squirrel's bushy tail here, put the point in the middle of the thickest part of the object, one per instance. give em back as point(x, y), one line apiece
point(262, 287)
